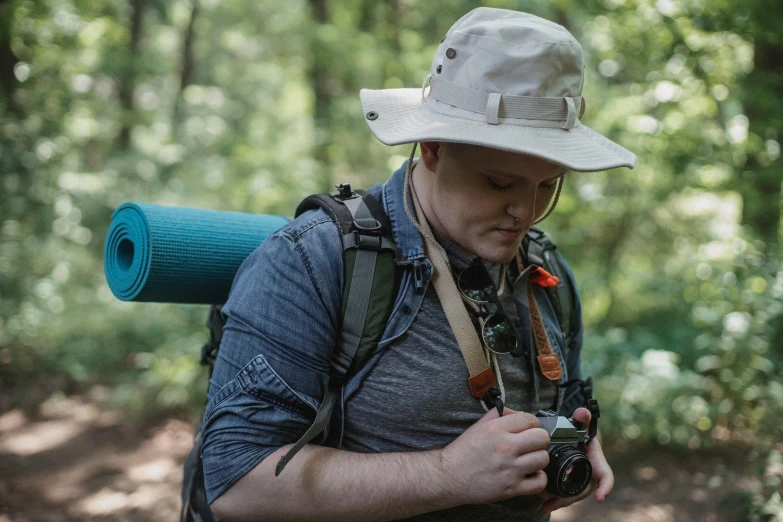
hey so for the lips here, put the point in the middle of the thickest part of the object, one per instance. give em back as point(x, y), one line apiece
point(511, 230)
point(509, 234)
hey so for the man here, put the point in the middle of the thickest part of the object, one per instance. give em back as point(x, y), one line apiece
point(498, 127)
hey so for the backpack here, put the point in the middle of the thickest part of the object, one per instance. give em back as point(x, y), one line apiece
point(373, 266)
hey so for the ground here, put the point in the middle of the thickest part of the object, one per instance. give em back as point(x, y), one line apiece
point(76, 462)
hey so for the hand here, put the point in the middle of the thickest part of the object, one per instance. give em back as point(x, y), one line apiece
point(602, 480)
point(497, 458)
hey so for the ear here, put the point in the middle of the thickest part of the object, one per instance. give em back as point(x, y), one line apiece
point(429, 154)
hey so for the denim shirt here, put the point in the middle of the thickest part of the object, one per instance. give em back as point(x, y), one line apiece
point(283, 313)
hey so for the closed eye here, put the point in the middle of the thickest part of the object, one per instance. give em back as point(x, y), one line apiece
point(499, 186)
point(504, 183)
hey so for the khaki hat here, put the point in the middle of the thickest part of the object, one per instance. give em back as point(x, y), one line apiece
point(500, 79)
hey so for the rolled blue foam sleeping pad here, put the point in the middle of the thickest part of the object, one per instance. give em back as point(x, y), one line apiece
point(179, 255)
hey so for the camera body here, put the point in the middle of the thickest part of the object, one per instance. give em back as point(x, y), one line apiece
point(569, 470)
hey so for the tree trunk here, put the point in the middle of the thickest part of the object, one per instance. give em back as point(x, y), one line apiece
point(319, 78)
point(761, 94)
point(8, 60)
point(188, 62)
point(396, 23)
point(128, 80)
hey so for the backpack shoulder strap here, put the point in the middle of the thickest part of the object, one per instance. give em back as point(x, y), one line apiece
point(215, 323)
point(369, 291)
point(370, 288)
point(539, 249)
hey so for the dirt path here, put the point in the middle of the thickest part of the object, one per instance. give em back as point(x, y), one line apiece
point(77, 463)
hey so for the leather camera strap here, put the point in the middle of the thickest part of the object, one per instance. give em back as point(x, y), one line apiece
point(548, 361)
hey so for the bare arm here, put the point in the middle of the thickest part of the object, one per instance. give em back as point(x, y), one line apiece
point(494, 459)
point(329, 484)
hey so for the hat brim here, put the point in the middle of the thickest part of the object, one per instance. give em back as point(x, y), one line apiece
point(402, 117)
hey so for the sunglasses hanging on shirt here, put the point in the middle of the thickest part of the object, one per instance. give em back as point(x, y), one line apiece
point(497, 331)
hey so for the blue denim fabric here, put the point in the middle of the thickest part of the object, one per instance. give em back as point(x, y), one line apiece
point(283, 313)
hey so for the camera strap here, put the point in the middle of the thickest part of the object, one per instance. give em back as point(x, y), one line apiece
point(481, 377)
point(590, 403)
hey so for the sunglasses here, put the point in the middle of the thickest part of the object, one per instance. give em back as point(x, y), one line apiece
point(476, 285)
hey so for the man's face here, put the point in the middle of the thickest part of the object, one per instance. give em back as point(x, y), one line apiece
point(479, 191)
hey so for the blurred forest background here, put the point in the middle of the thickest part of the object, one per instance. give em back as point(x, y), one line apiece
point(250, 106)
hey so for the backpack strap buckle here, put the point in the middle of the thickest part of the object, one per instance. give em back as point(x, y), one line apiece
point(344, 191)
point(419, 276)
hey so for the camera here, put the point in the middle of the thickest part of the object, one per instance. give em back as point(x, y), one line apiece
point(569, 470)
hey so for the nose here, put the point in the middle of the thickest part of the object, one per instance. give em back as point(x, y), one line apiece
point(523, 209)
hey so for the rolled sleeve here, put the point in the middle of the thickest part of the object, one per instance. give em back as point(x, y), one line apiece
point(272, 367)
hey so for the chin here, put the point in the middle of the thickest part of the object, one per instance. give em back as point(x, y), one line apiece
point(500, 255)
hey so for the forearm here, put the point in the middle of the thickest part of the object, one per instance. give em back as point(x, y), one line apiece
point(323, 483)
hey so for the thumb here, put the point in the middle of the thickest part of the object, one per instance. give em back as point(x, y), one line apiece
point(582, 415)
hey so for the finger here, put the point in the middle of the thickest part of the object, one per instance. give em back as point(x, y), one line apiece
point(518, 422)
point(602, 472)
point(558, 502)
point(532, 462)
point(534, 439)
point(533, 484)
point(604, 488)
point(605, 485)
point(582, 415)
point(553, 504)
point(491, 414)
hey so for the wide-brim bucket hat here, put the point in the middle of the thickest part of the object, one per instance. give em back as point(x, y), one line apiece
point(501, 79)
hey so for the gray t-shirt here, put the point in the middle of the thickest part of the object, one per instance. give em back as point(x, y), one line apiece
point(417, 398)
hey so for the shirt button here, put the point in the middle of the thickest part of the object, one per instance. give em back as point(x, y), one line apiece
point(407, 310)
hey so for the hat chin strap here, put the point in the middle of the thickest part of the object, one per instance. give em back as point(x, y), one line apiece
point(554, 203)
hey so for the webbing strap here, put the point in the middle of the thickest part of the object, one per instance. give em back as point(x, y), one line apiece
point(321, 420)
point(356, 240)
point(362, 217)
point(377, 212)
point(196, 517)
point(358, 295)
point(355, 314)
point(498, 105)
point(535, 253)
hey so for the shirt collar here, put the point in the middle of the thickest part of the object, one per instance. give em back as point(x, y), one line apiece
point(406, 236)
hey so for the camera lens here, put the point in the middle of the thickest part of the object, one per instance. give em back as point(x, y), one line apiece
point(569, 471)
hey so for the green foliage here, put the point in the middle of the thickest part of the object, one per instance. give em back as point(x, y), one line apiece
point(679, 261)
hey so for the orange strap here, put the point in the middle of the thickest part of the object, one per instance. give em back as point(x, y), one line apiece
point(547, 359)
